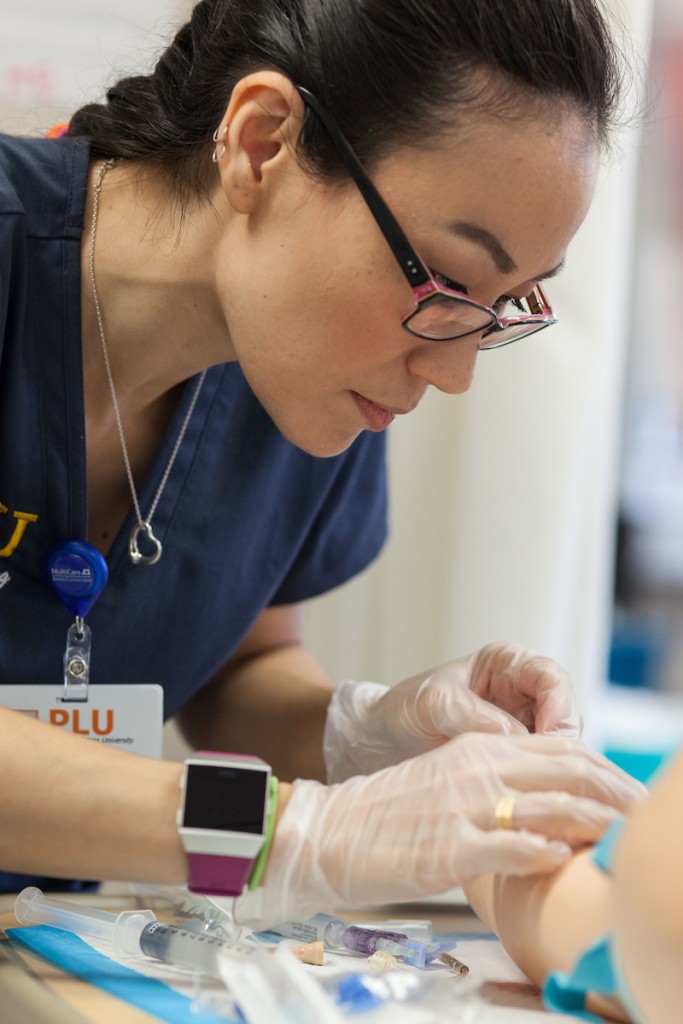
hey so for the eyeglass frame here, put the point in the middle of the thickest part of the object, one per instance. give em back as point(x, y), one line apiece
point(426, 289)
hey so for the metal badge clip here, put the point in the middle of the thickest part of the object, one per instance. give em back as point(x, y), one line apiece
point(77, 661)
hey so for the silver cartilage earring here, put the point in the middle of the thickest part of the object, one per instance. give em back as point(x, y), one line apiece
point(217, 137)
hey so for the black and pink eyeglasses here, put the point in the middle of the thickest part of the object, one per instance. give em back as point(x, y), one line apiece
point(439, 313)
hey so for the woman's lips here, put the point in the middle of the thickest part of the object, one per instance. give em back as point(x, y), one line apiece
point(376, 416)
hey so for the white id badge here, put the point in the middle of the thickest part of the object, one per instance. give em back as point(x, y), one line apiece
point(124, 717)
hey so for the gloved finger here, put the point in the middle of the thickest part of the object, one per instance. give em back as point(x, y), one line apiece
point(449, 709)
point(574, 773)
point(556, 705)
point(544, 762)
point(559, 745)
point(515, 853)
point(571, 731)
point(557, 709)
point(576, 821)
point(527, 684)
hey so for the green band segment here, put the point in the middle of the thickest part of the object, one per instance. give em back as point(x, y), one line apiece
point(260, 862)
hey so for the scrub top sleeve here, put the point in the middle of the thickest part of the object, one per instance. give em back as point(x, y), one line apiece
point(350, 528)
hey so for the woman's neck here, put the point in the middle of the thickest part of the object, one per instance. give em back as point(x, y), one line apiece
point(155, 277)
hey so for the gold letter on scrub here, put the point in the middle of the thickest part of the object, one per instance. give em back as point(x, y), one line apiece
point(22, 518)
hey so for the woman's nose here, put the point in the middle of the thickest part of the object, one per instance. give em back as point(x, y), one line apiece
point(446, 365)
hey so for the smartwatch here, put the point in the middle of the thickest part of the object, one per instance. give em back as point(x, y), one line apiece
point(222, 819)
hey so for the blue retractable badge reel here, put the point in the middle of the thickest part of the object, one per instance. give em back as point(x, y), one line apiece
point(77, 573)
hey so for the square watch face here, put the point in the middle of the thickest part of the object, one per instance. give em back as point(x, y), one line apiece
point(225, 798)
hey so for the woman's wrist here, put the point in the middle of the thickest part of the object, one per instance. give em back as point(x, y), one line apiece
point(283, 797)
point(291, 885)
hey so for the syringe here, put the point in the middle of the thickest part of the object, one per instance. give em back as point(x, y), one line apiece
point(132, 932)
point(339, 935)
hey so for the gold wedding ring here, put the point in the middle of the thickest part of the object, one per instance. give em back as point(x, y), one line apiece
point(505, 808)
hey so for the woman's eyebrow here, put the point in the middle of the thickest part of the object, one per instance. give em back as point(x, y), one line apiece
point(502, 259)
point(500, 256)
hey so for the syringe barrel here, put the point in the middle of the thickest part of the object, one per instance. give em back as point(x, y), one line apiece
point(195, 950)
point(368, 941)
point(32, 907)
point(123, 930)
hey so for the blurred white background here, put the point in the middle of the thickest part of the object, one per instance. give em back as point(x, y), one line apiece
point(505, 502)
point(650, 576)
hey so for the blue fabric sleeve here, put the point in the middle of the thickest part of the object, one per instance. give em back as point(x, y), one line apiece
point(566, 993)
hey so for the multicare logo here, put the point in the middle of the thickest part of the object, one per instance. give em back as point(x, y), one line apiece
point(72, 574)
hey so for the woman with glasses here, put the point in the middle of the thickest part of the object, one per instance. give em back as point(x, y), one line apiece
point(218, 288)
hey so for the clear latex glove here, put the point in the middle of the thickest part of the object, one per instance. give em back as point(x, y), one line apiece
point(501, 688)
point(427, 824)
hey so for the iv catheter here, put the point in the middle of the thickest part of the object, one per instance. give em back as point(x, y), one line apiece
point(133, 932)
point(338, 935)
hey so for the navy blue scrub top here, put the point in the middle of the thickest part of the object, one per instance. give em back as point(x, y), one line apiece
point(247, 520)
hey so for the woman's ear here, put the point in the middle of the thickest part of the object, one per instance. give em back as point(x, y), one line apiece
point(256, 138)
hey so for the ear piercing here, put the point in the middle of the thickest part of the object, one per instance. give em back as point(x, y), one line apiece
point(217, 137)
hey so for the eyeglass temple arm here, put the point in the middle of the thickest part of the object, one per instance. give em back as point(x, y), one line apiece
point(537, 301)
point(410, 263)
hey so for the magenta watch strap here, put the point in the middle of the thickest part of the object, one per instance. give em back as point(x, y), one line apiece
point(216, 875)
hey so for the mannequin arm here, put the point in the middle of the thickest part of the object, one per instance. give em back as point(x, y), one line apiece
point(545, 922)
point(649, 904)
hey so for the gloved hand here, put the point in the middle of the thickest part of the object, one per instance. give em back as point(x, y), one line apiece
point(501, 688)
point(428, 824)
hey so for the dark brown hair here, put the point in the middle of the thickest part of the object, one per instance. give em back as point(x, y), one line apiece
point(391, 72)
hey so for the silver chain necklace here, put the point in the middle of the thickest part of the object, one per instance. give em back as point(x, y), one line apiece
point(143, 525)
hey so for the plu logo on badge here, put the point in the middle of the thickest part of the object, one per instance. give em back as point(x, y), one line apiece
point(128, 717)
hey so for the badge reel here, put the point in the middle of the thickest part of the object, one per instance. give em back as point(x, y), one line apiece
point(78, 574)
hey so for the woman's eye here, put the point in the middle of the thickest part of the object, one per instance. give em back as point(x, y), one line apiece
point(447, 283)
point(500, 307)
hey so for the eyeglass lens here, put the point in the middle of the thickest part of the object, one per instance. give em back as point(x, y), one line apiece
point(496, 339)
point(443, 317)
